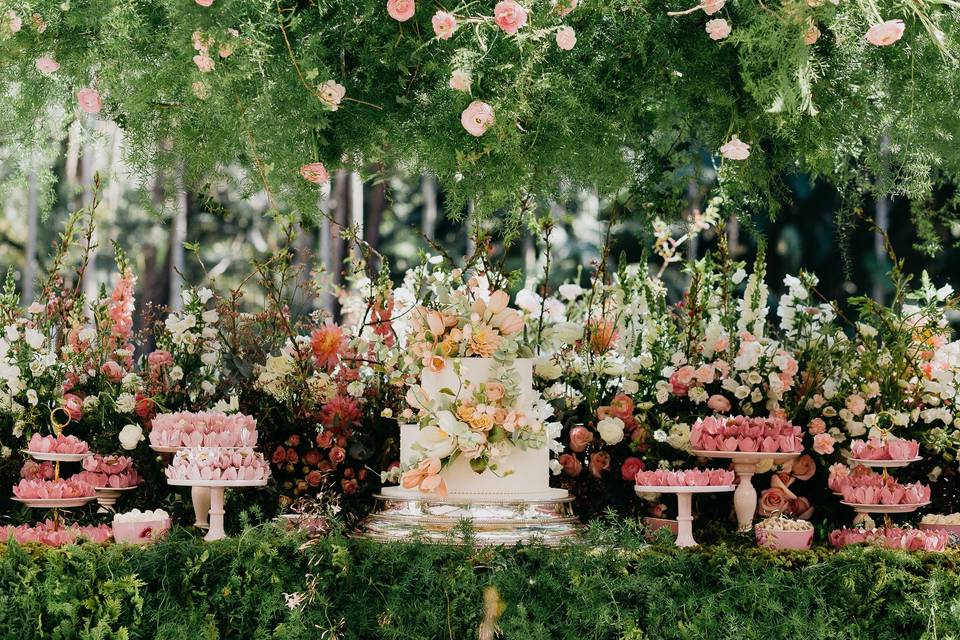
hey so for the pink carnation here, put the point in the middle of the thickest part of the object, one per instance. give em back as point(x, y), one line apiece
point(735, 149)
point(823, 443)
point(718, 29)
point(204, 62)
point(89, 100)
point(509, 16)
point(566, 38)
point(47, 65)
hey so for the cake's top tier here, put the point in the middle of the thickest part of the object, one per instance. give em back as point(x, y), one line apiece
point(218, 464)
point(203, 429)
point(463, 376)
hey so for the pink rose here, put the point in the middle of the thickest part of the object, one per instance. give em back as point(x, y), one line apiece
point(73, 405)
point(566, 38)
point(401, 10)
point(718, 403)
point(204, 62)
point(630, 467)
point(571, 465)
point(803, 468)
point(315, 172)
point(477, 118)
point(314, 478)
point(718, 29)
point(204, 3)
point(800, 508)
point(279, 455)
point(89, 100)
point(460, 81)
point(773, 501)
point(885, 33)
point(112, 371)
point(599, 463)
point(509, 16)
point(47, 65)
point(338, 455)
point(580, 437)
point(856, 404)
point(444, 24)
point(823, 444)
point(735, 149)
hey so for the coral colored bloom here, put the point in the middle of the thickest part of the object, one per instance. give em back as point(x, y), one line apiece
point(885, 33)
point(112, 371)
point(803, 468)
point(47, 65)
point(89, 100)
point(315, 172)
point(580, 437)
point(718, 29)
point(509, 16)
point(630, 467)
point(477, 118)
point(327, 344)
point(718, 403)
point(73, 405)
point(566, 38)
point(401, 10)
point(444, 24)
point(735, 149)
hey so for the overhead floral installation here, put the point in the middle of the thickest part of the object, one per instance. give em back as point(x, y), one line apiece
point(500, 99)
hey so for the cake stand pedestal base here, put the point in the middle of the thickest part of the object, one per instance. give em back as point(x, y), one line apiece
point(684, 507)
point(213, 490)
point(400, 515)
point(200, 496)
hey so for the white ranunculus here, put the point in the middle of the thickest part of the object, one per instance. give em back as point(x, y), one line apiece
point(630, 387)
point(611, 430)
point(130, 436)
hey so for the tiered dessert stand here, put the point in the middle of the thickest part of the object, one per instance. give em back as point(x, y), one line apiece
point(215, 490)
point(107, 497)
point(885, 509)
point(399, 514)
point(199, 496)
point(684, 506)
point(745, 465)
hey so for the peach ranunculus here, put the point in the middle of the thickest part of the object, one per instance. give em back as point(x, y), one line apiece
point(444, 24)
point(401, 10)
point(510, 16)
point(856, 404)
point(885, 33)
point(735, 149)
point(460, 81)
point(718, 403)
point(46, 65)
point(580, 437)
point(112, 371)
point(803, 468)
point(566, 38)
point(494, 391)
point(331, 94)
point(89, 100)
point(718, 29)
point(477, 118)
point(773, 501)
point(315, 172)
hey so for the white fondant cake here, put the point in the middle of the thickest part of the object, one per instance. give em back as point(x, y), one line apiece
point(530, 476)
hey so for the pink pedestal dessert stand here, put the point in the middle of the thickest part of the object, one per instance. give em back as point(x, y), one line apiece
point(745, 465)
point(215, 489)
point(684, 506)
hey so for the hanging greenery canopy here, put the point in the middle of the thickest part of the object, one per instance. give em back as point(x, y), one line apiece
point(501, 99)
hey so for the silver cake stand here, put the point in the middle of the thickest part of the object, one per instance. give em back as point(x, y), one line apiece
point(399, 514)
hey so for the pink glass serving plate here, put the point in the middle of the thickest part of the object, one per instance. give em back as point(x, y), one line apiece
point(56, 457)
point(52, 503)
point(887, 464)
point(226, 484)
point(885, 508)
point(747, 456)
point(678, 489)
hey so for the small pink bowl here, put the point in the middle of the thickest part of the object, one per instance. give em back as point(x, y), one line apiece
point(953, 529)
point(656, 524)
point(773, 539)
point(140, 532)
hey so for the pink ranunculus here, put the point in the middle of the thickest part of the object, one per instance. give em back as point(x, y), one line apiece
point(47, 65)
point(710, 7)
point(460, 81)
point(444, 24)
point(718, 403)
point(735, 149)
point(204, 3)
point(571, 465)
point(823, 443)
point(477, 118)
point(112, 371)
point(315, 172)
point(73, 405)
point(510, 16)
point(89, 100)
point(580, 437)
point(885, 33)
point(566, 38)
point(630, 467)
point(718, 29)
point(401, 10)
point(204, 62)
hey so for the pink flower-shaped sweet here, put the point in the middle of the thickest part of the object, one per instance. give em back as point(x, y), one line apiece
point(477, 118)
point(900, 449)
point(510, 16)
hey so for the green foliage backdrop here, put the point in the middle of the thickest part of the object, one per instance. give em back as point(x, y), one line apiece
point(641, 100)
point(235, 589)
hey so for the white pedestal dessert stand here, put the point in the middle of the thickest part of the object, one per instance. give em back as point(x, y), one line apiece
point(684, 506)
point(199, 496)
point(401, 514)
point(215, 489)
point(745, 465)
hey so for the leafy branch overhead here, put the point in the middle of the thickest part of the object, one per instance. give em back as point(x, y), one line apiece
point(500, 99)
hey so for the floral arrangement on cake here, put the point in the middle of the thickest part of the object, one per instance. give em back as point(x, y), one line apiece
point(739, 433)
point(111, 472)
point(53, 489)
point(218, 465)
point(891, 538)
point(685, 478)
point(203, 429)
point(54, 534)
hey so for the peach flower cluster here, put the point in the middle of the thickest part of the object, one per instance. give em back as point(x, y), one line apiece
point(53, 489)
point(740, 433)
point(218, 464)
point(892, 538)
point(56, 444)
point(877, 449)
point(426, 477)
point(112, 472)
point(54, 534)
point(684, 478)
point(203, 429)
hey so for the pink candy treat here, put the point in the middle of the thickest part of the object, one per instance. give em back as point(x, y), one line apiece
point(877, 449)
point(204, 429)
point(56, 444)
point(218, 464)
point(52, 535)
point(739, 433)
point(873, 489)
point(53, 489)
point(892, 538)
point(112, 472)
point(686, 478)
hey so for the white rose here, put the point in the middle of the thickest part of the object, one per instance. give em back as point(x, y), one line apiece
point(34, 338)
point(210, 358)
point(611, 430)
point(32, 397)
point(130, 436)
